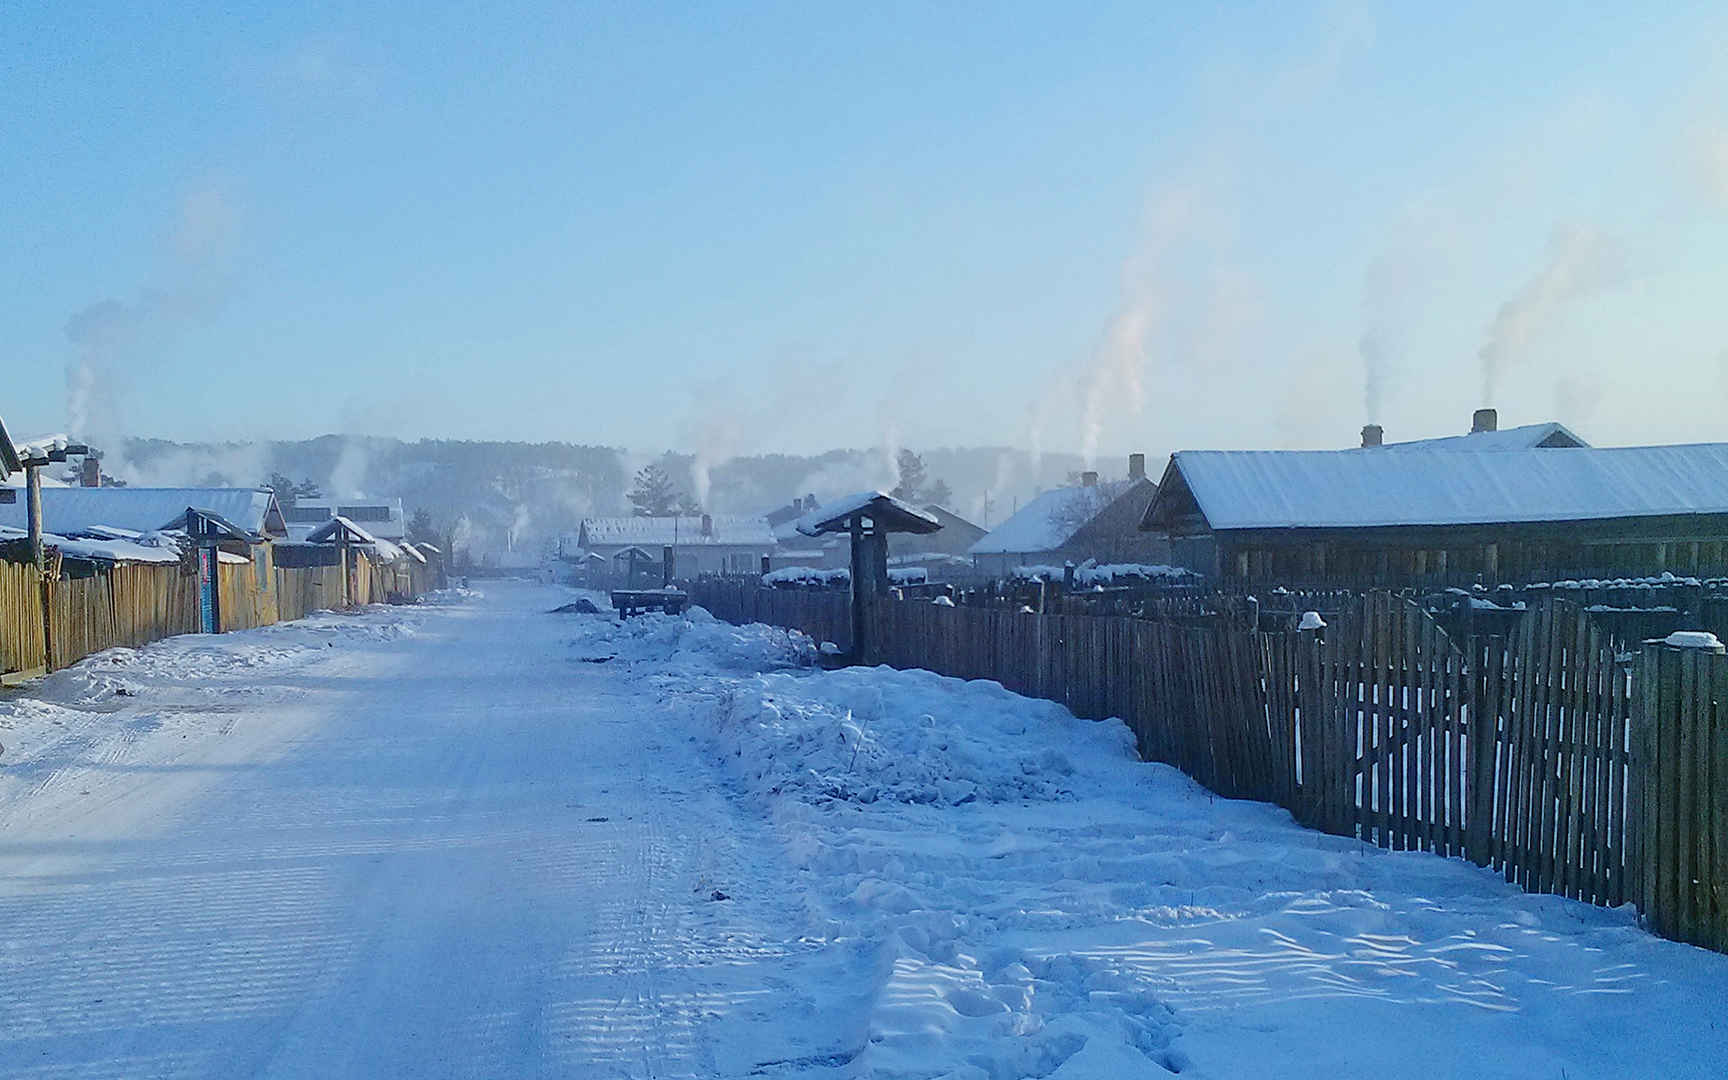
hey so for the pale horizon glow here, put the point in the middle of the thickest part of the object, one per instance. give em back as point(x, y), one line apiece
point(778, 228)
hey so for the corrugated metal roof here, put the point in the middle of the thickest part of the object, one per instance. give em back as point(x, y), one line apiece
point(1527, 437)
point(1279, 489)
point(78, 509)
point(685, 531)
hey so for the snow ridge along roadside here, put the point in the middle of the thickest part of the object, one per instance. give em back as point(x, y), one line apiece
point(1037, 902)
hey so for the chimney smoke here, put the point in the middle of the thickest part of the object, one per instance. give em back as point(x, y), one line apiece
point(1373, 435)
point(1136, 466)
point(1484, 420)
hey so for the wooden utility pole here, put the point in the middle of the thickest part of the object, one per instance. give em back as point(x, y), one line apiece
point(39, 558)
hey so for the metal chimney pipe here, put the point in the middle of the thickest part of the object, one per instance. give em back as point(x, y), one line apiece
point(1484, 420)
point(1373, 435)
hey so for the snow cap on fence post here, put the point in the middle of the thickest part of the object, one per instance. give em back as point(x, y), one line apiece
point(1311, 620)
point(1694, 639)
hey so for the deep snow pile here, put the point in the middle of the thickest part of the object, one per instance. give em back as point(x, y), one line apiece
point(1026, 899)
point(915, 738)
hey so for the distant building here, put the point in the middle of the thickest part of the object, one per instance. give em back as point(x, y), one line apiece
point(701, 544)
point(1484, 435)
point(382, 518)
point(1091, 520)
point(1446, 515)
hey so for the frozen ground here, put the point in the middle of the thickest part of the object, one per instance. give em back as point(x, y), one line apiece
point(481, 840)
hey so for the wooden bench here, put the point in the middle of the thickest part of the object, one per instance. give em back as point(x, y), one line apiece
point(630, 602)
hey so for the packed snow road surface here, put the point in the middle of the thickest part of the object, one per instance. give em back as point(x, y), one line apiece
point(482, 840)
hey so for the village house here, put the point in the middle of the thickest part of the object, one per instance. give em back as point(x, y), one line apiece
point(1484, 434)
point(1091, 520)
point(381, 518)
point(701, 544)
point(1445, 517)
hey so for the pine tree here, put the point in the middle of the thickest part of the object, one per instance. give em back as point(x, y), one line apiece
point(940, 494)
point(420, 527)
point(655, 495)
point(911, 469)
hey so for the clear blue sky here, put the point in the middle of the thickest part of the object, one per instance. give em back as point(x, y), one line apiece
point(793, 226)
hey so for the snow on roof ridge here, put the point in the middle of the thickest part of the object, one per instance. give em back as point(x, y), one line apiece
point(1266, 489)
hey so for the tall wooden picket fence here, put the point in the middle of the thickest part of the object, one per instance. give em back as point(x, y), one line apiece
point(1521, 753)
point(134, 604)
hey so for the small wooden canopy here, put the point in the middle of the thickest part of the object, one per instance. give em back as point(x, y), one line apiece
point(632, 552)
point(886, 513)
point(209, 525)
point(339, 530)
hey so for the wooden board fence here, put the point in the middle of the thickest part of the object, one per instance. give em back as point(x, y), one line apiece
point(1515, 752)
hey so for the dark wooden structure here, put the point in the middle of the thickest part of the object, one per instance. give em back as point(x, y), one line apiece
point(868, 518)
point(628, 602)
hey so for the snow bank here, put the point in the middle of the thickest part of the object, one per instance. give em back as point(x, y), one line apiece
point(810, 575)
point(1090, 573)
point(903, 736)
point(1024, 898)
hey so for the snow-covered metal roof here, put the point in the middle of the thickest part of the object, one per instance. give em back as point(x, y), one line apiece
point(1050, 519)
point(1282, 489)
point(888, 512)
point(743, 530)
point(140, 509)
point(1527, 437)
point(339, 529)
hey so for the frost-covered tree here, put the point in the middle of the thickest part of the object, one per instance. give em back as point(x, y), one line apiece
point(910, 467)
point(420, 528)
point(654, 494)
point(940, 494)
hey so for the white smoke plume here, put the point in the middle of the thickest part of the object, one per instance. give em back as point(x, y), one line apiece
point(348, 478)
point(1114, 386)
point(1580, 260)
point(110, 337)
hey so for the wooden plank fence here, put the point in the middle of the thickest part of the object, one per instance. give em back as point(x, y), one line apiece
point(133, 604)
point(1543, 754)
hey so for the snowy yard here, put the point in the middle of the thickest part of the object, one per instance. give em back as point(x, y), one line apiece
point(482, 840)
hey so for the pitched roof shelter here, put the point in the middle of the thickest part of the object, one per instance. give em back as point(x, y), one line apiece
point(886, 513)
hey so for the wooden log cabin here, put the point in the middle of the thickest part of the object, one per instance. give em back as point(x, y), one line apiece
point(1418, 518)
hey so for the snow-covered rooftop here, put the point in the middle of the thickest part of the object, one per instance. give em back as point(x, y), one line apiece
point(899, 516)
point(1527, 437)
point(140, 509)
point(748, 530)
point(1050, 519)
point(1281, 489)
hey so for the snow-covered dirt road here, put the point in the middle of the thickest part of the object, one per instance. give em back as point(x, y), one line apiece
point(482, 840)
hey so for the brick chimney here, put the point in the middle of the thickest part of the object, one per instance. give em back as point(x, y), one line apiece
point(1484, 420)
point(90, 472)
point(1136, 466)
point(707, 524)
point(1373, 435)
point(1089, 479)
